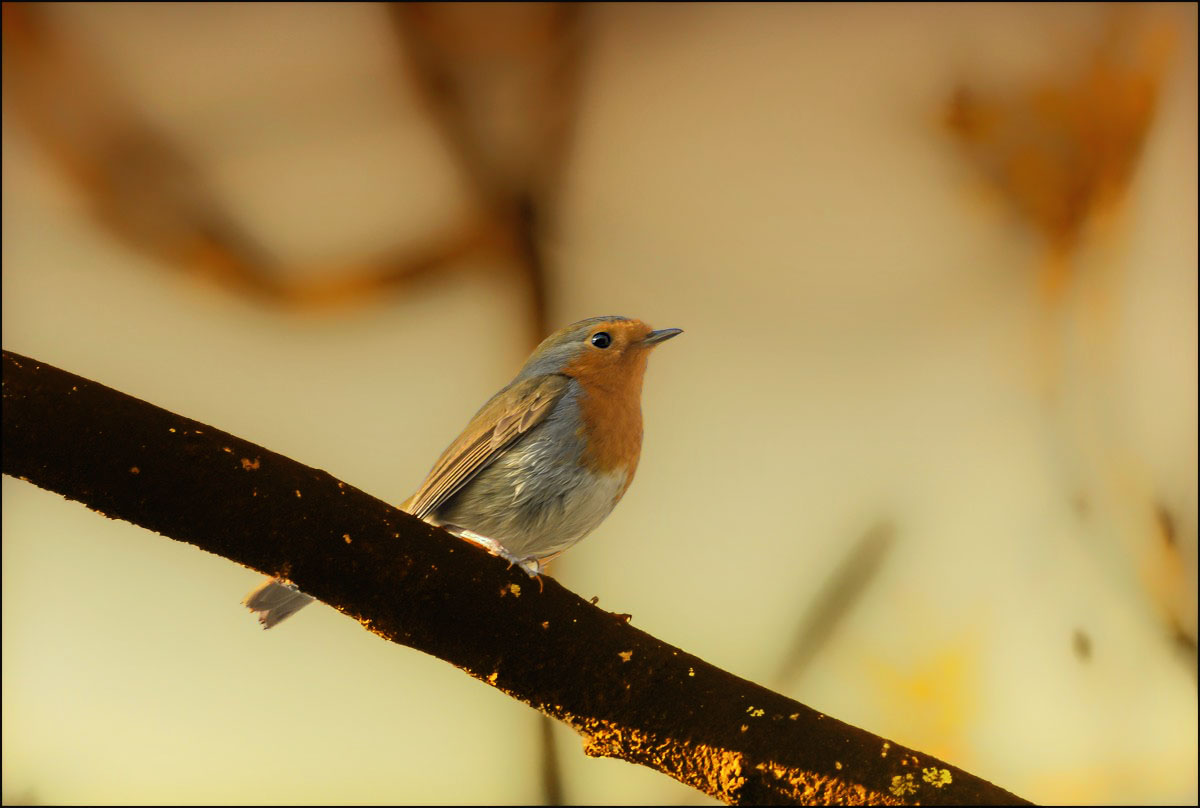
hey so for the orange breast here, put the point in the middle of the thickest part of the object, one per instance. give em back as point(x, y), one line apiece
point(611, 412)
point(612, 429)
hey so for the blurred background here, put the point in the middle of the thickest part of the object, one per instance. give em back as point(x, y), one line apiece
point(924, 460)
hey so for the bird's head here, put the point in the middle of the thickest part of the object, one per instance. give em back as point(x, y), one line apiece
point(602, 351)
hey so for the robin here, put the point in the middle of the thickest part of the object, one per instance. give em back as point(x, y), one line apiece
point(543, 462)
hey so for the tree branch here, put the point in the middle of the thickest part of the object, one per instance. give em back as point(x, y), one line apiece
point(628, 694)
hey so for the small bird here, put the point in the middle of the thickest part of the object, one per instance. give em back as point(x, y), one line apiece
point(543, 462)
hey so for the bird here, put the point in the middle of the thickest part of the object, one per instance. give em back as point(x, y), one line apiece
point(542, 463)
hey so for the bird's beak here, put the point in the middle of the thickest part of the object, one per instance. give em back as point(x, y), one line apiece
point(661, 335)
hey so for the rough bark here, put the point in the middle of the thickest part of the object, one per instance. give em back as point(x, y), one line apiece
point(629, 695)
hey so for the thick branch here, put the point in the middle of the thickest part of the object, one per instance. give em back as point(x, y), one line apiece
point(630, 695)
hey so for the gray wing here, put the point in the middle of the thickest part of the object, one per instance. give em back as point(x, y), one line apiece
point(511, 413)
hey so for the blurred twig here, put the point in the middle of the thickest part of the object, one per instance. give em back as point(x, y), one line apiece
point(552, 781)
point(501, 80)
point(630, 695)
point(138, 184)
point(1061, 153)
point(840, 591)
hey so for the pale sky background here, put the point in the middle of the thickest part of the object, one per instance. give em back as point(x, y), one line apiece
point(861, 344)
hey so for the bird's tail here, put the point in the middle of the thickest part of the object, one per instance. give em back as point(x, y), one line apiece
point(275, 601)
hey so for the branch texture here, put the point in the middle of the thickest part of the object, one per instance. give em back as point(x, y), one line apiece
point(628, 694)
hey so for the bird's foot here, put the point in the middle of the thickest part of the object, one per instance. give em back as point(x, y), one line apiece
point(530, 565)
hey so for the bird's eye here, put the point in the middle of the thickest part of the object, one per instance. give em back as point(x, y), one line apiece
point(601, 339)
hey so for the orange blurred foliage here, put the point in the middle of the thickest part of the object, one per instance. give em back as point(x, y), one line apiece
point(1062, 151)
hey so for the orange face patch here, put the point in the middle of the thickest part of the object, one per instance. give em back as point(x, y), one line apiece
point(611, 408)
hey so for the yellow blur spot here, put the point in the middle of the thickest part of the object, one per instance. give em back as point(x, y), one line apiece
point(902, 785)
point(936, 777)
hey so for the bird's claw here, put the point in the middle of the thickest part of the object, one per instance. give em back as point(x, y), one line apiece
point(530, 565)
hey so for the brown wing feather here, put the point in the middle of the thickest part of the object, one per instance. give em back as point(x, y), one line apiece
point(510, 414)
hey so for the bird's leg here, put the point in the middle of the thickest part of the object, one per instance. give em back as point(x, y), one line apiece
point(491, 545)
point(530, 565)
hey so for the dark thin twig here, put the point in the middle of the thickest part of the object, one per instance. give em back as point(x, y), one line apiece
point(552, 775)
